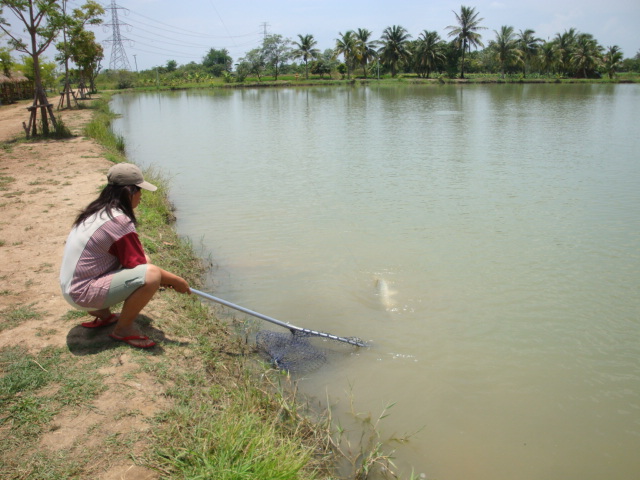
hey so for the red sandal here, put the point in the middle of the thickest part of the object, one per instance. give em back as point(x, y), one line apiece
point(134, 337)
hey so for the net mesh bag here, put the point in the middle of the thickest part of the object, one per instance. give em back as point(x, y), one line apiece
point(297, 352)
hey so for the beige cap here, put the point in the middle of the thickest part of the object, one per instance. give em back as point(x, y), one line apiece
point(128, 174)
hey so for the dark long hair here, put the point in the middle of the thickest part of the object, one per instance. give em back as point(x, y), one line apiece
point(112, 197)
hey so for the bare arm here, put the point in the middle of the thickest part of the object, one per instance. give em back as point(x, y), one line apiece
point(179, 284)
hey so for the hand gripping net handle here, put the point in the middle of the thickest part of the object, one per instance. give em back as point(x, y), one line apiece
point(352, 341)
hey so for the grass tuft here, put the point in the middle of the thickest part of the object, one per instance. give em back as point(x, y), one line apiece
point(13, 317)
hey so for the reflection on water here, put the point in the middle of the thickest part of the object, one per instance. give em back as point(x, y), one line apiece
point(485, 239)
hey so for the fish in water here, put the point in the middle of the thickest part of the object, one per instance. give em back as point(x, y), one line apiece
point(385, 294)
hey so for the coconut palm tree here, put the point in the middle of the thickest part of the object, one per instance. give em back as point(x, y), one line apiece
point(429, 54)
point(547, 57)
point(305, 50)
point(394, 50)
point(564, 45)
point(466, 32)
point(505, 48)
point(528, 44)
point(612, 59)
point(346, 46)
point(587, 55)
point(365, 48)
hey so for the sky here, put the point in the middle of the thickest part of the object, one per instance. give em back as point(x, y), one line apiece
point(156, 31)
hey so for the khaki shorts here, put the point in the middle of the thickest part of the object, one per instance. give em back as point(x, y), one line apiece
point(124, 283)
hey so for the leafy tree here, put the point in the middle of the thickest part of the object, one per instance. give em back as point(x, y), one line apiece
point(81, 47)
point(528, 44)
point(48, 70)
point(172, 66)
point(253, 62)
point(325, 63)
point(87, 54)
point(466, 32)
point(6, 61)
point(587, 55)
point(429, 53)
point(394, 50)
point(320, 67)
point(346, 46)
point(276, 52)
point(75, 37)
point(505, 48)
point(612, 59)
point(216, 62)
point(42, 20)
point(365, 49)
point(306, 51)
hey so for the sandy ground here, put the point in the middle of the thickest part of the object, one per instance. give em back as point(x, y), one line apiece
point(53, 181)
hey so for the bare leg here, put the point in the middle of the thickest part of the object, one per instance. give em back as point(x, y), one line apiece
point(136, 302)
point(103, 314)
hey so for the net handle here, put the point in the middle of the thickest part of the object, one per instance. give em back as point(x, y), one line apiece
point(288, 326)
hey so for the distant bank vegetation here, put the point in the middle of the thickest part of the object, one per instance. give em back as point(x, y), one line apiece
point(507, 55)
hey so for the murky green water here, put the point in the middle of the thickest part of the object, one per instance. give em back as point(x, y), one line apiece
point(485, 239)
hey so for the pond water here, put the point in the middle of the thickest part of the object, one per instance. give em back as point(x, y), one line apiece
point(484, 239)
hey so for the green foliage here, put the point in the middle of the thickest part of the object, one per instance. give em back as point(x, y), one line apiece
point(429, 53)
point(275, 53)
point(465, 33)
point(395, 52)
point(216, 62)
point(125, 80)
point(61, 131)
point(346, 46)
point(6, 61)
point(48, 70)
point(305, 49)
point(253, 63)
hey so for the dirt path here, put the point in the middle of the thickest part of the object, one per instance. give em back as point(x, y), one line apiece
point(42, 187)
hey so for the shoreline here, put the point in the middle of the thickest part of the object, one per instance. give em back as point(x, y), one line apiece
point(141, 410)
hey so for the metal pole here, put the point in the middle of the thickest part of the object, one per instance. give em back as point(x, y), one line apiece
point(292, 328)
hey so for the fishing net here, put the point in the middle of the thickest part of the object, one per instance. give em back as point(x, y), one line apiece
point(301, 352)
point(296, 351)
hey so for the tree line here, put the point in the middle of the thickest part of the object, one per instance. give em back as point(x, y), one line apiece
point(569, 54)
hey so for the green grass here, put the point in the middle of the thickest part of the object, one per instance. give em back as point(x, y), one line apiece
point(14, 316)
point(99, 128)
point(34, 387)
point(229, 433)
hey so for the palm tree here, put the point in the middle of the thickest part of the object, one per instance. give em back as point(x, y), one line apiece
point(430, 53)
point(505, 48)
point(346, 46)
point(305, 50)
point(612, 60)
point(564, 45)
point(365, 49)
point(394, 50)
point(466, 32)
point(547, 57)
point(528, 45)
point(587, 55)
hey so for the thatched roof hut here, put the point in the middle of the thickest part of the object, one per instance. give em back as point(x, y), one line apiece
point(15, 87)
